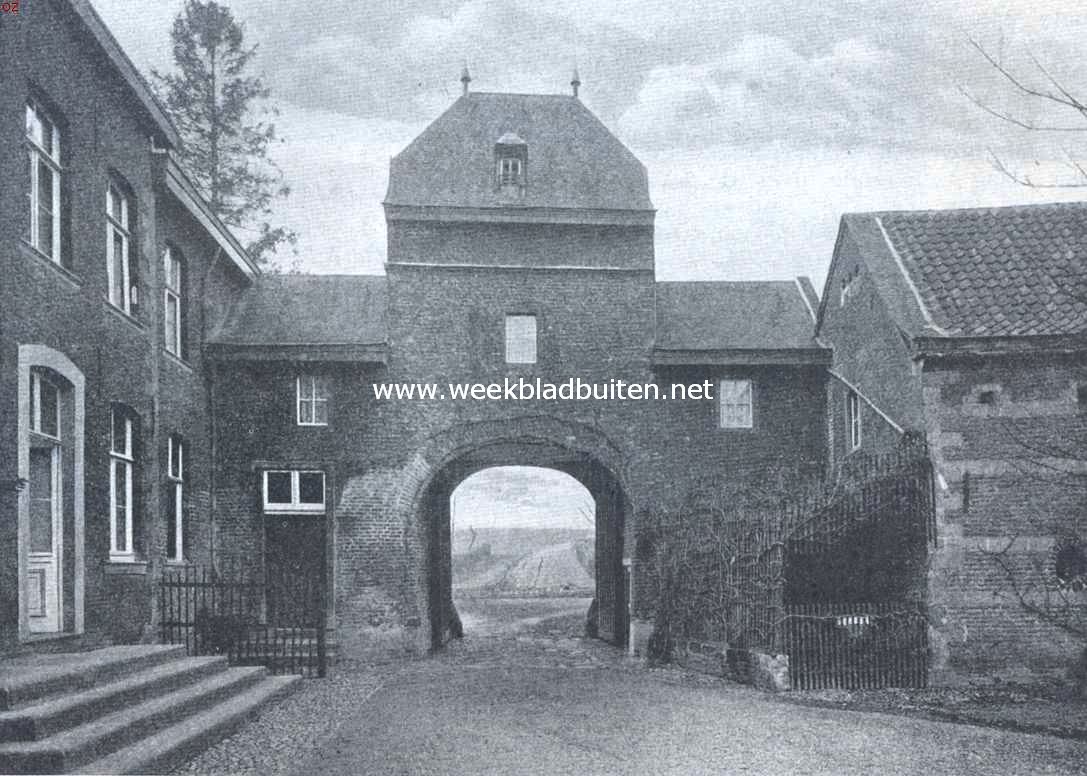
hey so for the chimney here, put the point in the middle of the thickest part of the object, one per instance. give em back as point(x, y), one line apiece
point(575, 81)
point(465, 77)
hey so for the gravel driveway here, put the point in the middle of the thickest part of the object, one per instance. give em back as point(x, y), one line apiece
point(534, 700)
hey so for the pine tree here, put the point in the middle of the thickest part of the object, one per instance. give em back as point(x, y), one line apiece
point(214, 103)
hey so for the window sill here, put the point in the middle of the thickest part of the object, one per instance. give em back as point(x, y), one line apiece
point(122, 315)
point(125, 566)
point(177, 361)
point(34, 638)
point(312, 425)
point(179, 563)
point(63, 272)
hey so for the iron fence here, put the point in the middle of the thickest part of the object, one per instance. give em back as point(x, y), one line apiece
point(216, 614)
point(856, 646)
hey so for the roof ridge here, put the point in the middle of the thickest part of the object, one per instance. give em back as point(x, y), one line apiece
point(558, 95)
point(308, 275)
point(1058, 205)
point(729, 282)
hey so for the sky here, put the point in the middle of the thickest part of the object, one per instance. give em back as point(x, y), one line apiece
point(760, 123)
point(522, 496)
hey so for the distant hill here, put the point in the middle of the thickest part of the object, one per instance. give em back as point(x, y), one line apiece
point(517, 540)
point(524, 560)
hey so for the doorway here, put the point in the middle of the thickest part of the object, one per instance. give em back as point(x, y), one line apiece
point(295, 569)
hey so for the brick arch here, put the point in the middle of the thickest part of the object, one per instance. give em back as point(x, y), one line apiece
point(531, 440)
point(447, 458)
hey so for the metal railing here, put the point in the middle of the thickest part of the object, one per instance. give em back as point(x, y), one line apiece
point(214, 614)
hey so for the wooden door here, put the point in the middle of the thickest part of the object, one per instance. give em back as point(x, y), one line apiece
point(295, 569)
point(45, 538)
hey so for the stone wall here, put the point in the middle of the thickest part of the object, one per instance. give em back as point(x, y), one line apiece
point(1005, 492)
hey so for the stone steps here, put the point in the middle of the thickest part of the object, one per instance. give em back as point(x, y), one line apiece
point(34, 677)
point(164, 751)
point(125, 711)
point(51, 716)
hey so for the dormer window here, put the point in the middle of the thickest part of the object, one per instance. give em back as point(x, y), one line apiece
point(511, 161)
point(509, 172)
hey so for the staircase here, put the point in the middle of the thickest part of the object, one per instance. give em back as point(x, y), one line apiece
point(126, 709)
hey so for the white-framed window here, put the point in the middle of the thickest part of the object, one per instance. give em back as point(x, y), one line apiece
point(45, 466)
point(312, 400)
point(122, 484)
point(44, 406)
point(520, 339)
point(43, 139)
point(119, 269)
point(173, 301)
point(853, 416)
point(509, 170)
point(735, 401)
point(175, 522)
point(294, 490)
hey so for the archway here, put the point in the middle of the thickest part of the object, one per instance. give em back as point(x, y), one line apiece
point(610, 507)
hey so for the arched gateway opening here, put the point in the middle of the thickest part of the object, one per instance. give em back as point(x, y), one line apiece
point(524, 553)
point(608, 618)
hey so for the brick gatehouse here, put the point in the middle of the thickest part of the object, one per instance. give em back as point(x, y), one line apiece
point(512, 253)
point(163, 403)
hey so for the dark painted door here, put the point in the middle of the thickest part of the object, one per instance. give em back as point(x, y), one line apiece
point(295, 569)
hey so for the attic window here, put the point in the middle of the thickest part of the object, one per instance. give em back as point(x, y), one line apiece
point(511, 161)
point(847, 286)
point(509, 171)
point(987, 397)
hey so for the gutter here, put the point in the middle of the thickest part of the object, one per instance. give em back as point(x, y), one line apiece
point(182, 189)
point(936, 347)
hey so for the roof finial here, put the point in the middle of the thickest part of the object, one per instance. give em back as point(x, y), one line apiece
point(575, 81)
point(465, 77)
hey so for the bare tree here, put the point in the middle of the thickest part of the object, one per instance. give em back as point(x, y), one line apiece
point(1042, 88)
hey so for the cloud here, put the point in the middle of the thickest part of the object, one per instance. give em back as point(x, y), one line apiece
point(397, 62)
point(764, 89)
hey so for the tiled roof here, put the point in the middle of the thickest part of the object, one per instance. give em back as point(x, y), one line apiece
point(769, 315)
point(996, 272)
point(309, 310)
point(574, 161)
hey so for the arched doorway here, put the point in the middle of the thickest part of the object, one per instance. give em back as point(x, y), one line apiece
point(610, 507)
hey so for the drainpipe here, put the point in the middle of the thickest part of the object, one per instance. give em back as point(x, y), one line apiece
point(209, 397)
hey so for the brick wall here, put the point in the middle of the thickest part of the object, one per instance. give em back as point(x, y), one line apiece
point(869, 353)
point(995, 426)
point(446, 324)
point(49, 57)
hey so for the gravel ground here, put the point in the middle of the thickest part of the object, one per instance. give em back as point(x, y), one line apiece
point(533, 714)
point(525, 692)
point(1025, 708)
point(294, 727)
